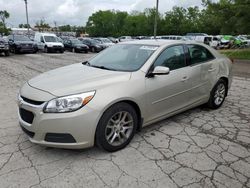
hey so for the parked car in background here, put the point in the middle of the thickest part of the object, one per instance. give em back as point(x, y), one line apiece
point(94, 46)
point(114, 40)
point(21, 44)
point(4, 47)
point(125, 38)
point(245, 40)
point(75, 45)
point(105, 42)
point(128, 86)
point(48, 42)
point(212, 41)
point(171, 37)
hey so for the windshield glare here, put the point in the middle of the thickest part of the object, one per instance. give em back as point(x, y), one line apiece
point(124, 57)
point(50, 39)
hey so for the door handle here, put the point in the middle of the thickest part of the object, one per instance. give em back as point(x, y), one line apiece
point(184, 79)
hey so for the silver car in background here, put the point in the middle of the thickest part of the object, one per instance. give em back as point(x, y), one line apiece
point(128, 86)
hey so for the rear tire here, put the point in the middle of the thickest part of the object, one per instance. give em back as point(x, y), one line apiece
point(218, 94)
point(116, 127)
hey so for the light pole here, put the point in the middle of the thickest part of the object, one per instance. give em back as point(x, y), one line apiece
point(27, 16)
point(156, 16)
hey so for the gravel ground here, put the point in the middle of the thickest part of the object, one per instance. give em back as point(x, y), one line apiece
point(197, 148)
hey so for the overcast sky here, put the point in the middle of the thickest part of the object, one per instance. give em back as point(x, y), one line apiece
point(76, 12)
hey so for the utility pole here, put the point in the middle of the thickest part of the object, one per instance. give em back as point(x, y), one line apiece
point(156, 16)
point(27, 16)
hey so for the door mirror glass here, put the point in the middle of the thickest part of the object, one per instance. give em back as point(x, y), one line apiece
point(160, 70)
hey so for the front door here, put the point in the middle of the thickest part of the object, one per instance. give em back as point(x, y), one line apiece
point(168, 93)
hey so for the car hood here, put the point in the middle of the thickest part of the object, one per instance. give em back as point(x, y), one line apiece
point(80, 45)
point(76, 78)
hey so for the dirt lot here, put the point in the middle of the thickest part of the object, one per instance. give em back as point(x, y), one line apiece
point(198, 148)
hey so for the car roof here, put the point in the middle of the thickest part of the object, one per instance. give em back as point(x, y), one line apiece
point(157, 42)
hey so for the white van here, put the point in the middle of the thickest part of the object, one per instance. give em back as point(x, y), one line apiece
point(48, 42)
point(212, 41)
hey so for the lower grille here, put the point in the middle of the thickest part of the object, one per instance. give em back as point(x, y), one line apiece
point(29, 133)
point(26, 115)
point(59, 138)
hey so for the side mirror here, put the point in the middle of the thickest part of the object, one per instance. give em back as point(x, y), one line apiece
point(159, 70)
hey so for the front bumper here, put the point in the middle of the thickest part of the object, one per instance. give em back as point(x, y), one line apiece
point(56, 48)
point(74, 130)
point(82, 49)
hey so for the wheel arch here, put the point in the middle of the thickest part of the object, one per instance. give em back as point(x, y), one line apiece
point(130, 102)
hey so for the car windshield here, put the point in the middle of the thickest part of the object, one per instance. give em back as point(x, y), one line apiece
point(75, 41)
point(50, 39)
point(123, 57)
point(106, 41)
point(21, 38)
point(96, 41)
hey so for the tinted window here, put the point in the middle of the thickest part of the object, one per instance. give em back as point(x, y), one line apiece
point(173, 58)
point(199, 54)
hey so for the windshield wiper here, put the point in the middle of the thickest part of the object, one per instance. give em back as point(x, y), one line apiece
point(102, 67)
point(96, 66)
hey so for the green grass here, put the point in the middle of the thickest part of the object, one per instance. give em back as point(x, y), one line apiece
point(237, 53)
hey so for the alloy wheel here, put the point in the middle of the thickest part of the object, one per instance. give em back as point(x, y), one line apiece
point(119, 128)
point(219, 94)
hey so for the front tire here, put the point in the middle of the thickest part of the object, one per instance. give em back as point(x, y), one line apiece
point(116, 127)
point(46, 50)
point(218, 94)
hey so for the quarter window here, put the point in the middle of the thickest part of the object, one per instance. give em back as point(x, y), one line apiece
point(199, 54)
point(173, 58)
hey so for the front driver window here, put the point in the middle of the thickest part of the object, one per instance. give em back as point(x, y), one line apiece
point(173, 58)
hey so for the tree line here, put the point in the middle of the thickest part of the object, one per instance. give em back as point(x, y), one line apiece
point(222, 17)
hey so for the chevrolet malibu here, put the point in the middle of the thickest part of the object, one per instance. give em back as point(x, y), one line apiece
point(105, 100)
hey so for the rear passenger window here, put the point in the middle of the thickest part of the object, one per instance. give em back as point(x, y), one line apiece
point(199, 54)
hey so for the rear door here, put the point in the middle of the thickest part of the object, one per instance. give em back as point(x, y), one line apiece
point(168, 93)
point(204, 67)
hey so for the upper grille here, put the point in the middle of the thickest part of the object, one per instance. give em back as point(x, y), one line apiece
point(26, 115)
point(32, 101)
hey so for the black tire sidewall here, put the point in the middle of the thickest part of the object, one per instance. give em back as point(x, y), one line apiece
point(211, 102)
point(101, 141)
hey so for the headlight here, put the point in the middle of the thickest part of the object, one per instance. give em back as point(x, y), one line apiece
point(68, 103)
